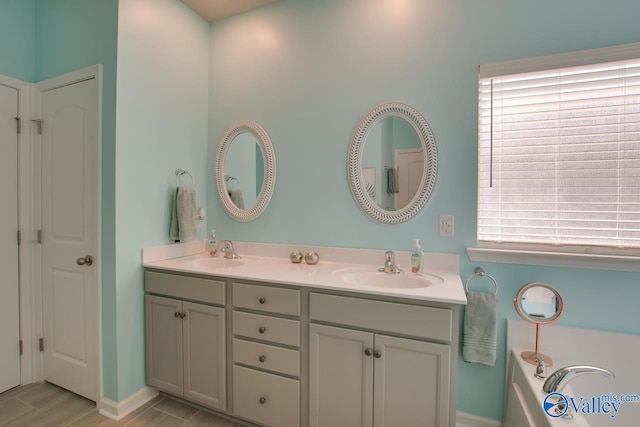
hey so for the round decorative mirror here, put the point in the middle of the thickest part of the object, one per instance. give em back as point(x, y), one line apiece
point(245, 171)
point(392, 163)
point(541, 304)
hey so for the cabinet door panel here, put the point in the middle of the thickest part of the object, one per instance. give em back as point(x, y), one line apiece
point(164, 343)
point(340, 377)
point(411, 383)
point(204, 355)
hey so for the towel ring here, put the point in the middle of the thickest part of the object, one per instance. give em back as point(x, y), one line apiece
point(478, 271)
point(179, 173)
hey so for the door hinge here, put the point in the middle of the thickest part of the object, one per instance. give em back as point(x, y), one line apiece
point(19, 237)
point(39, 236)
point(18, 125)
point(20, 344)
point(38, 122)
point(41, 344)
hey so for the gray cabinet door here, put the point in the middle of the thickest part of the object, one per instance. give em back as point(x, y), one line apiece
point(203, 329)
point(340, 377)
point(164, 343)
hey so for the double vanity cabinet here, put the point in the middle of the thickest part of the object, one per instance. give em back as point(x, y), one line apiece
point(284, 355)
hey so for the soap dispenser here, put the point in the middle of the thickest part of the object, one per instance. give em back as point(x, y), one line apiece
point(213, 244)
point(416, 257)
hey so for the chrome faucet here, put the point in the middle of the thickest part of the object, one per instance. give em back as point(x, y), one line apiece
point(390, 264)
point(559, 379)
point(228, 251)
point(541, 369)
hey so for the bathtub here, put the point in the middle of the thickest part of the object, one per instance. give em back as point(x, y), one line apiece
point(597, 398)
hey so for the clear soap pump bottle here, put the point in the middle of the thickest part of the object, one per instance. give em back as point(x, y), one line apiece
point(416, 257)
point(213, 244)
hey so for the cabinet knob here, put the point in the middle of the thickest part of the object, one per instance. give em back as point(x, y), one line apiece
point(262, 400)
point(368, 352)
point(262, 300)
point(262, 358)
point(377, 354)
point(262, 329)
point(176, 314)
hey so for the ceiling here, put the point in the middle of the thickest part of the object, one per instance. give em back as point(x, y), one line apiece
point(212, 10)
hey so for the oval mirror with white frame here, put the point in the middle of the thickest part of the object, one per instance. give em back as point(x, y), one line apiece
point(245, 171)
point(392, 163)
point(541, 304)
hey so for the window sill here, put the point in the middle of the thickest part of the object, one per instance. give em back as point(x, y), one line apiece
point(556, 259)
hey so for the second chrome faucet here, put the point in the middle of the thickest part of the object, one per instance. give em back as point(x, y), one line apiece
point(390, 264)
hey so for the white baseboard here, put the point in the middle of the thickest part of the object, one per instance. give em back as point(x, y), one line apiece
point(468, 420)
point(118, 410)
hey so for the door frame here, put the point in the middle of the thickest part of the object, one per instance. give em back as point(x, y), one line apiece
point(92, 72)
point(25, 268)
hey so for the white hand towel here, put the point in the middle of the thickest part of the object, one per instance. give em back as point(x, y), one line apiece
point(480, 328)
point(236, 198)
point(184, 225)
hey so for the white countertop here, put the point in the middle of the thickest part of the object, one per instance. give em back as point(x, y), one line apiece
point(441, 270)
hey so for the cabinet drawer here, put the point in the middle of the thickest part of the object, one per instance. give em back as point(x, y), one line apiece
point(271, 358)
point(185, 287)
point(265, 398)
point(267, 328)
point(267, 298)
point(406, 319)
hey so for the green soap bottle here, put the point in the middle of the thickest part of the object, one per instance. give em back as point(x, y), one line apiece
point(416, 257)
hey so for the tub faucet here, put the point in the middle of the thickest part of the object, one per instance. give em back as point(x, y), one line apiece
point(560, 378)
point(541, 369)
point(390, 264)
point(228, 251)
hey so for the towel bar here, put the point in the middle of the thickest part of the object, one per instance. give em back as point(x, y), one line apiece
point(179, 173)
point(478, 271)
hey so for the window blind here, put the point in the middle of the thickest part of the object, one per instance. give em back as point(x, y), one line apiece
point(559, 156)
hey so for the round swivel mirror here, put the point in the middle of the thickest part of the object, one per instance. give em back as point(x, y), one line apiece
point(541, 304)
point(245, 171)
point(392, 163)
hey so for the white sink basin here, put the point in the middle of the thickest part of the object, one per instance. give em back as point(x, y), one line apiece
point(211, 262)
point(371, 278)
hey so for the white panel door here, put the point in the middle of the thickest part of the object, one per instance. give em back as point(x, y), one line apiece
point(9, 293)
point(70, 203)
point(340, 377)
point(410, 164)
point(411, 383)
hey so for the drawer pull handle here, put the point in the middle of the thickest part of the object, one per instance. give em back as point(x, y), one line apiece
point(262, 400)
point(262, 329)
point(368, 352)
point(262, 300)
point(377, 354)
point(262, 358)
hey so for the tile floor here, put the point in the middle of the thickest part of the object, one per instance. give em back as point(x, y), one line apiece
point(46, 405)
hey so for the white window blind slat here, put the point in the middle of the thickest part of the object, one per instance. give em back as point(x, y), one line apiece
point(559, 156)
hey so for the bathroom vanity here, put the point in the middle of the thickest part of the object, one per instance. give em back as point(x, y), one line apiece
point(278, 344)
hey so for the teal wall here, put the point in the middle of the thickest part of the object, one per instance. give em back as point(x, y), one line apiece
point(17, 39)
point(308, 71)
point(162, 116)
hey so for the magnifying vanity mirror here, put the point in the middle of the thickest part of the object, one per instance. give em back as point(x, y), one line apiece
point(392, 163)
point(245, 171)
point(541, 304)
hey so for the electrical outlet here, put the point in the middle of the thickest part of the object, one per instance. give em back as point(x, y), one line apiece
point(445, 228)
